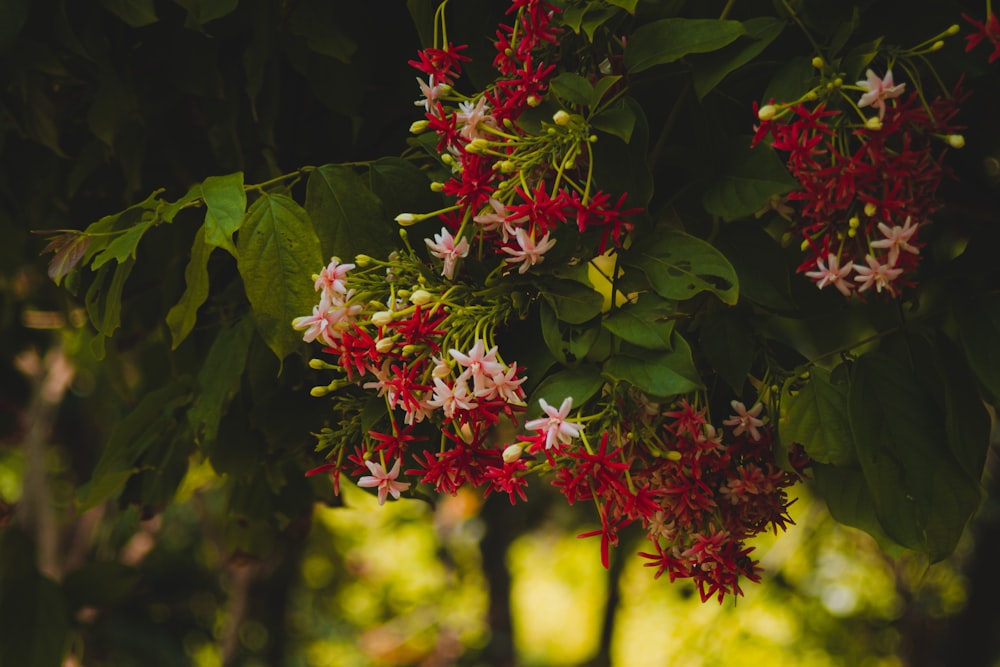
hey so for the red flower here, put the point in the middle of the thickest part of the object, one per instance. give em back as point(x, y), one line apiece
point(989, 30)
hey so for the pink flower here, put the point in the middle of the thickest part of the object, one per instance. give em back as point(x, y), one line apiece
point(385, 481)
point(897, 238)
point(498, 220)
point(444, 247)
point(555, 426)
point(745, 420)
point(530, 252)
point(879, 90)
point(431, 91)
point(507, 386)
point(834, 274)
point(332, 277)
point(451, 398)
point(879, 275)
point(470, 115)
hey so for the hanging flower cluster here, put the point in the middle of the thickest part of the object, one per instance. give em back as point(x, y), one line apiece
point(867, 182)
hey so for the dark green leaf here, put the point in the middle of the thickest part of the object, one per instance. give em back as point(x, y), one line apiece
point(814, 415)
point(857, 60)
point(135, 13)
point(763, 270)
point(595, 18)
point(152, 420)
point(349, 219)
point(623, 167)
point(679, 266)
point(201, 12)
point(661, 375)
point(580, 382)
point(618, 120)
point(979, 331)
point(709, 71)
point(226, 203)
point(99, 584)
point(750, 177)
point(573, 88)
point(726, 337)
point(278, 252)
point(646, 323)
point(568, 343)
point(667, 40)
point(182, 316)
point(321, 22)
point(573, 302)
point(846, 494)
point(33, 609)
point(401, 186)
point(923, 497)
point(219, 379)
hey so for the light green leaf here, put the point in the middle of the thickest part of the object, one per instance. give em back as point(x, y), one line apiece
point(709, 71)
point(670, 39)
point(814, 415)
point(750, 177)
point(182, 316)
point(278, 251)
point(125, 245)
point(226, 201)
point(580, 382)
point(679, 266)
point(348, 218)
point(219, 379)
point(647, 323)
point(627, 5)
point(661, 375)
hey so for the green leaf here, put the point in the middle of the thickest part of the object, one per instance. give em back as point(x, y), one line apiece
point(219, 379)
point(618, 120)
point(226, 203)
point(36, 618)
point(568, 343)
point(573, 88)
point(679, 266)
point(349, 219)
point(124, 246)
point(760, 264)
point(979, 330)
point(845, 492)
point(750, 177)
point(623, 167)
point(201, 12)
point(581, 382)
point(182, 316)
point(923, 498)
point(857, 60)
point(814, 415)
point(709, 71)
point(647, 323)
point(660, 375)
point(401, 186)
point(105, 306)
point(151, 421)
point(726, 338)
point(321, 22)
point(627, 5)
point(572, 302)
point(135, 13)
point(277, 253)
point(670, 39)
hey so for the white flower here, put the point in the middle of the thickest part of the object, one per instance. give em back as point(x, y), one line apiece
point(385, 481)
point(897, 238)
point(879, 275)
point(481, 365)
point(879, 90)
point(470, 115)
point(555, 426)
point(834, 274)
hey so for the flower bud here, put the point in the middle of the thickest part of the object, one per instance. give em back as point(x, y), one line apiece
point(870, 209)
point(362, 260)
point(382, 318)
point(421, 297)
point(507, 167)
point(767, 112)
point(874, 123)
point(418, 126)
point(512, 453)
point(956, 140)
point(477, 146)
point(673, 455)
point(804, 245)
point(320, 365)
point(409, 349)
point(938, 45)
point(437, 186)
point(448, 159)
point(818, 63)
point(384, 345)
point(533, 100)
point(854, 222)
point(407, 219)
point(561, 118)
point(441, 370)
point(318, 392)
point(952, 29)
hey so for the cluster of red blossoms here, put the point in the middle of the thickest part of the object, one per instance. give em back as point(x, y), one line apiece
point(511, 190)
point(866, 187)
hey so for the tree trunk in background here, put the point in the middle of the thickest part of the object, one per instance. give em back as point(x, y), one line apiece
point(503, 525)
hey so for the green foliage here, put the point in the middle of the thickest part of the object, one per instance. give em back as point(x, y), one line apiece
point(679, 266)
point(667, 40)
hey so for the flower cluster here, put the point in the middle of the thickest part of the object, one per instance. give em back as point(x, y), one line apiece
point(867, 183)
point(512, 189)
